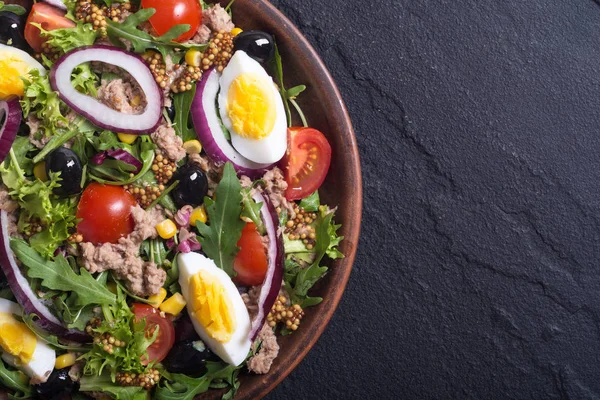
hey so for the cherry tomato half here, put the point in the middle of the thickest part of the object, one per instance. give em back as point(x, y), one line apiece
point(159, 349)
point(105, 213)
point(49, 18)
point(251, 262)
point(306, 162)
point(174, 12)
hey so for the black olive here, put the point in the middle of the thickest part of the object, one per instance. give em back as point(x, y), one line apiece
point(12, 29)
point(58, 385)
point(257, 44)
point(193, 186)
point(189, 357)
point(171, 112)
point(66, 162)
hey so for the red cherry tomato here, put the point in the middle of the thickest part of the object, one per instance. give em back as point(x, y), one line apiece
point(105, 213)
point(159, 349)
point(251, 262)
point(49, 18)
point(306, 162)
point(174, 12)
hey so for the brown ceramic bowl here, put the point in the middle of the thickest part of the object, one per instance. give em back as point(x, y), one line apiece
point(325, 111)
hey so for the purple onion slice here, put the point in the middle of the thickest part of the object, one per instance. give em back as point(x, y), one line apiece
point(24, 295)
point(10, 110)
point(57, 3)
point(126, 157)
point(272, 283)
point(208, 128)
point(98, 113)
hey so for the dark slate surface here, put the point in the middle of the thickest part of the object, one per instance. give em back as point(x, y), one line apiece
point(478, 273)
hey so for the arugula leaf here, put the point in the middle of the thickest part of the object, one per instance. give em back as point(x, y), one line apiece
point(142, 41)
point(29, 320)
point(58, 275)
point(311, 203)
point(103, 383)
point(251, 210)
point(219, 239)
point(15, 380)
point(13, 8)
point(183, 103)
point(80, 125)
point(145, 149)
point(183, 387)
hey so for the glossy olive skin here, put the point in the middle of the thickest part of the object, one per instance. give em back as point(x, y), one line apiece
point(192, 187)
point(12, 28)
point(257, 44)
point(184, 358)
point(58, 385)
point(171, 112)
point(66, 162)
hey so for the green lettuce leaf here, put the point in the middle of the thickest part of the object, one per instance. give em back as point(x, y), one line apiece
point(16, 381)
point(219, 238)
point(103, 383)
point(182, 387)
point(182, 123)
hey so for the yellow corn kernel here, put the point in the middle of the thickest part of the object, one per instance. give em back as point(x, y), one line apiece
point(64, 361)
point(112, 287)
point(157, 299)
point(127, 138)
point(166, 229)
point(173, 305)
point(39, 171)
point(193, 57)
point(135, 101)
point(192, 147)
point(199, 214)
point(236, 31)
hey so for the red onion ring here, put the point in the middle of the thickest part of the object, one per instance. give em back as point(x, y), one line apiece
point(57, 3)
point(206, 123)
point(269, 290)
point(11, 110)
point(92, 109)
point(24, 295)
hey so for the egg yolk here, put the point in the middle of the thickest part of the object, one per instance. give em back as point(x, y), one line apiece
point(251, 106)
point(11, 71)
point(16, 338)
point(211, 306)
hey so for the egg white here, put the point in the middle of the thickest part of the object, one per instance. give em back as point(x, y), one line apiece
point(272, 148)
point(235, 350)
point(20, 54)
point(44, 357)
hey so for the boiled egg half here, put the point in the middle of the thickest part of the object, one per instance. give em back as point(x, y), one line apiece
point(21, 348)
point(14, 65)
point(252, 110)
point(215, 306)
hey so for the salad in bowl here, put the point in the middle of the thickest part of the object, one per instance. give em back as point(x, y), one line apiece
point(160, 218)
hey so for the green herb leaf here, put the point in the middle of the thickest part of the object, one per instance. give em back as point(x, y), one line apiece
point(311, 203)
point(146, 151)
point(251, 210)
point(103, 383)
point(219, 239)
point(183, 103)
point(15, 380)
point(183, 387)
point(58, 275)
point(29, 320)
point(142, 41)
point(13, 8)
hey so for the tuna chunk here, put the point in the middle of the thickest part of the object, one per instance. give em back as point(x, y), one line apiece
point(275, 187)
point(11, 207)
point(202, 35)
point(217, 19)
point(142, 278)
point(168, 142)
point(123, 95)
point(261, 362)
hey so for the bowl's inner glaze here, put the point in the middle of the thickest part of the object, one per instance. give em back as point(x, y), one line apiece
point(325, 111)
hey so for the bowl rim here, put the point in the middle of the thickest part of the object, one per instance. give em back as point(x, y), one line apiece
point(271, 380)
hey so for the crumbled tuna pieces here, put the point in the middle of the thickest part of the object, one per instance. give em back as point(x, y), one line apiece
point(168, 142)
point(275, 187)
point(202, 35)
point(261, 362)
point(142, 278)
point(217, 19)
point(251, 300)
point(122, 95)
point(35, 136)
point(213, 171)
point(11, 207)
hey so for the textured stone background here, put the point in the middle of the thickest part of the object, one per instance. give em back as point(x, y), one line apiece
point(477, 276)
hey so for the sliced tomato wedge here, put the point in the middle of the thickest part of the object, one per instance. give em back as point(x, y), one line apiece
point(166, 331)
point(251, 261)
point(49, 18)
point(306, 162)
